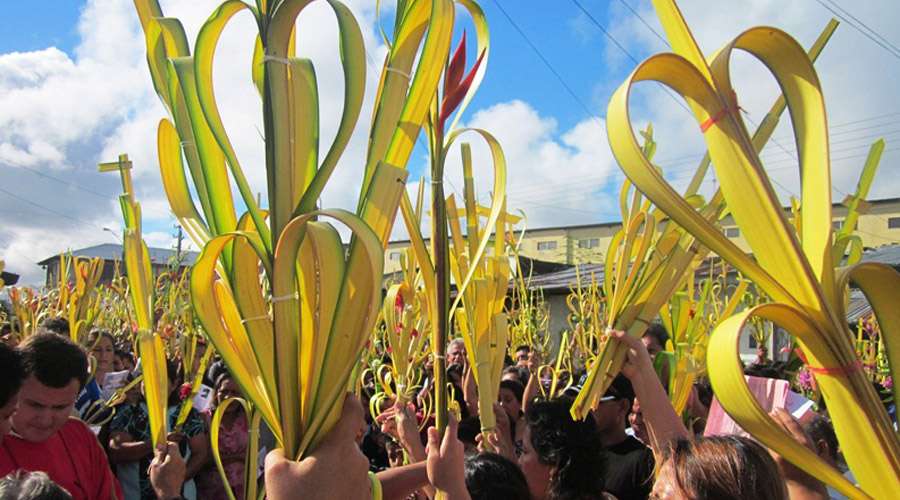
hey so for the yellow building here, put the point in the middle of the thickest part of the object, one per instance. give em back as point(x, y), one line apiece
point(879, 226)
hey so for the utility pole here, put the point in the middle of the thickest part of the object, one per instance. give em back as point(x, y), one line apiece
point(178, 241)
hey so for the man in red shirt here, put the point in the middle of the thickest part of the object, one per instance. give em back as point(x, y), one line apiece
point(44, 437)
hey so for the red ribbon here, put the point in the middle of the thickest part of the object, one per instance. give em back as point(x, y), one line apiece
point(836, 370)
point(721, 114)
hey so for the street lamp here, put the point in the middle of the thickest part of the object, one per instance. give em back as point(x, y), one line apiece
point(115, 234)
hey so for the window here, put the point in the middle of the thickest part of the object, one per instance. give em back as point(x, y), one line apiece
point(543, 246)
point(732, 232)
point(394, 256)
point(589, 243)
point(894, 223)
point(836, 225)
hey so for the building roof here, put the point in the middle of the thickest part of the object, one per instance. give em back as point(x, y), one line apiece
point(887, 254)
point(112, 251)
point(561, 281)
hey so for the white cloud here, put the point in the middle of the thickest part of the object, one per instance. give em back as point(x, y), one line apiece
point(857, 78)
point(60, 115)
point(554, 176)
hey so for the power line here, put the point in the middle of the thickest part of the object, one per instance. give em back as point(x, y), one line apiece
point(544, 60)
point(645, 23)
point(63, 181)
point(599, 26)
point(864, 25)
point(875, 36)
point(48, 209)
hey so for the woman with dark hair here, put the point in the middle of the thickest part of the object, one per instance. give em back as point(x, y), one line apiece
point(510, 399)
point(561, 457)
point(490, 476)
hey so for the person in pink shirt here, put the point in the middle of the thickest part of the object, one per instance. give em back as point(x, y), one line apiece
point(44, 436)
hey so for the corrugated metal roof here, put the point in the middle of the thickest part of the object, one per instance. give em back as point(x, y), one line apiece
point(887, 254)
point(112, 251)
point(858, 306)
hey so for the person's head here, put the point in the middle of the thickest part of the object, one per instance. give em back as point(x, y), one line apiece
point(394, 453)
point(456, 352)
point(821, 433)
point(522, 353)
point(57, 325)
point(123, 361)
point(226, 387)
point(57, 370)
point(175, 378)
point(718, 467)
point(455, 374)
point(23, 485)
point(510, 397)
point(561, 457)
point(636, 421)
point(612, 411)
point(493, 477)
point(655, 339)
point(133, 395)
point(12, 374)
point(103, 351)
point(468, 431)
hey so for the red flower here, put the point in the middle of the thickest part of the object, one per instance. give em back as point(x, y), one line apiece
point(184, 391)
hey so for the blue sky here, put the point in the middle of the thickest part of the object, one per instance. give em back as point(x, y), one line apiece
point(54, 23)
point(74, 90)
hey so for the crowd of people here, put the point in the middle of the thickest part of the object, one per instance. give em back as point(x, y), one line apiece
point(634, 445)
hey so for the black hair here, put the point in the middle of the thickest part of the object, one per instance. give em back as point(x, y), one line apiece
point(523, 347)
point(223, 375)
point(175, 376)
point(820, 429)
point(658, 332)
point(490, 476)
point(520, 372)
point(571, 447)
point(12, 373)
point(57, 325)
point(469, 428)
point(54, 360)
point(514, 387)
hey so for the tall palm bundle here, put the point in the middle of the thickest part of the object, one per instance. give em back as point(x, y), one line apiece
point(285, 306)
point(661, 270)
point(481, 317)
point(452, 98)
point(77, 298)
point(795, 270)
point(141, 292)
point(405, 336)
